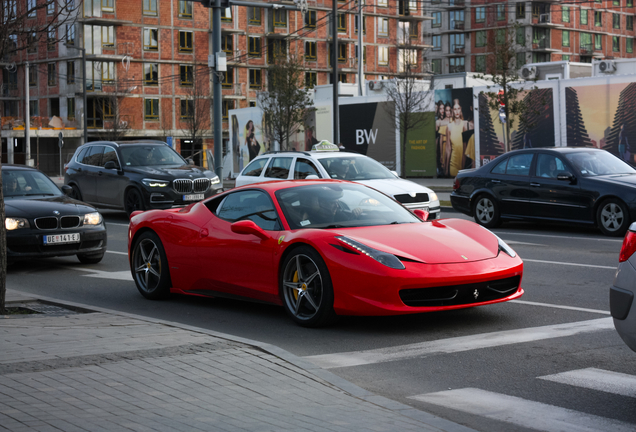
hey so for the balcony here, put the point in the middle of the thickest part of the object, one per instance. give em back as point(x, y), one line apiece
point(458, 25)
point(458, 49)
point(234, 91)
point(454, 4)
point(10, 90)
point(586, 49)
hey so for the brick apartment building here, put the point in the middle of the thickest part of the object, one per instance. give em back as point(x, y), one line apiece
point(548, 31)
point(149, 53)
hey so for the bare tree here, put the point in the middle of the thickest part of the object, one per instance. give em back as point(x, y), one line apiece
point(22, 25)
point(286, 102)
point(195, 107)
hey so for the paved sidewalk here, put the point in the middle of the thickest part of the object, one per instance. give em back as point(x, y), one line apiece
point(102, 370)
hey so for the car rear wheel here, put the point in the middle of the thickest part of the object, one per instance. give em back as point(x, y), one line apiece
point(150, 267)
point(486, 211)
point(90, 258)
point(306, 289)
point(612, 217)
point(75, 193)
point(133, 201)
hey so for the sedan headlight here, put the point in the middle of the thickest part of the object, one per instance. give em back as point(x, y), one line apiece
point(432, 196)
point(503, 246)
point(155, 183)
point(215, 180)
point(385, 258)
point(94, 218)
point(15, 223)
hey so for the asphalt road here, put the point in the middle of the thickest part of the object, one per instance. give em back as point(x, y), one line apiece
point(550, 361)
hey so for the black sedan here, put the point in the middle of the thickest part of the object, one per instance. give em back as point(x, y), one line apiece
point(566, 184)
point(41, 221)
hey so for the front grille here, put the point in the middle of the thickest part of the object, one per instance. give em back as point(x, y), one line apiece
point(46, 223)
point(201, 185)
point(182, 185)
point(70, 221)
point(460, 294)
point(408, 199)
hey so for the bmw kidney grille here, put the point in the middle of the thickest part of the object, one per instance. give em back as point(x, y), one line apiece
point(52, 222)
point(199, 185)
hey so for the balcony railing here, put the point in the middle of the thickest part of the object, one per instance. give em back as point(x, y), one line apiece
point(544, 18)
point(541, 44)
point(458, 25)
point(458, 49)
point(586, 49)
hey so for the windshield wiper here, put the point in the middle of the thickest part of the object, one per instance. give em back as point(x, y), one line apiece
point(33, 194)
point(334, 226)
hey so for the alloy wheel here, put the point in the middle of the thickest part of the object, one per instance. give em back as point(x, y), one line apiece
point(303, 287)
point(147, 265)
point(612, 217)
point(485, 210)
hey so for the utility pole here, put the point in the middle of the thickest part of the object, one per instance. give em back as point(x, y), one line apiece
point(27, 116)
point(334, 71)
point(360, 47)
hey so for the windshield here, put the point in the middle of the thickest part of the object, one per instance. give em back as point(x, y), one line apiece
point(340, 205)
point(596, 163)
point(21, 183)
point(355, 168)
point(144, 155)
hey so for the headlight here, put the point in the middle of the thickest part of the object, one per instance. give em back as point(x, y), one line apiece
point(155, 183)
point(15, 223)
point(432, 196)
point(504, 247)
point(215, 180)
point(92, 218)
point(385, 258)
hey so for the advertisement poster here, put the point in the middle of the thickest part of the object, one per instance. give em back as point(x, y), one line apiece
point(603, 116)
point(369, 129)
point(420, 152)
point(323, 123)
point(454, 131)
point(246, 137)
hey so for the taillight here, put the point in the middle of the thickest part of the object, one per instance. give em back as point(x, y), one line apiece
point(629, 246)
point(456, 184)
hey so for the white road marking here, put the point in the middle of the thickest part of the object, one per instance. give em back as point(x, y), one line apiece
point(597, 379)
point(459, 344)
point(568, 264)
point(521, 412)
point(558, 236)
point(118, 253)
point(561, 307)
point(523, 243)
point(118, 275)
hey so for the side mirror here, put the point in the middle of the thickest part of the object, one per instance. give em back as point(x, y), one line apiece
point(111, 165)
point(249, 227)
point(190, 161)
point(67, 190)
point(422, 214)
point(565, 176)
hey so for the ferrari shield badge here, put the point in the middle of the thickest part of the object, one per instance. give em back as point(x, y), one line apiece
point(280, 239)
point(476, 294)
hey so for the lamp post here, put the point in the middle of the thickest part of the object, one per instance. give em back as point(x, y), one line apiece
point(83, 50)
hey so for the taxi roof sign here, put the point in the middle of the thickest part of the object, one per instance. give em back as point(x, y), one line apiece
point(325, 145)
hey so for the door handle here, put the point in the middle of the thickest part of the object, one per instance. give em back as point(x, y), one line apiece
point(495, 181)
point(203, 233)
point(535, 184)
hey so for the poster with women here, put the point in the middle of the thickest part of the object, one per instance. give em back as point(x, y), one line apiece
point(454, 131)
point(247, 139)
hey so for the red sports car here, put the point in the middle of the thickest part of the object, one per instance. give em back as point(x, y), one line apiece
point(320, 248)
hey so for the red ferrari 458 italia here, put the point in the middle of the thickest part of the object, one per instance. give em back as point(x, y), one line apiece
point(320, 249)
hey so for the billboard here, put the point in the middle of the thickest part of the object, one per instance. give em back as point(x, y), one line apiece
point(247, 139)
point(421, 144)
point(454, 131)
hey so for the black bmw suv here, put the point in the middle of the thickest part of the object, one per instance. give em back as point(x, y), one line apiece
point(137, 175)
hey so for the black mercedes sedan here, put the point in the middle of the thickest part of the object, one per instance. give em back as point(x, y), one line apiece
point(561, 184)
point(41, 221)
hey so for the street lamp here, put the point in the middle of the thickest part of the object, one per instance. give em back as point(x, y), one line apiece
point(83, 50)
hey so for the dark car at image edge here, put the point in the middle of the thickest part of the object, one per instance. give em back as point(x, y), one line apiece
point(137, 175)
point(575, 185)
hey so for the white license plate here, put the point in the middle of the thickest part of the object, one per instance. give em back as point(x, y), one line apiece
point(193, 197)
point(61, 238)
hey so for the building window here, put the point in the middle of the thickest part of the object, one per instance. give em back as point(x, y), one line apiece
point(51, 40)
point(500, 36)
point(616, 21)
point(255, 78)
point(598, 42)
point(437, 42)
point(226, 107)
point(31, 8)
point(32, 43)
point(227, 43)
point(480, 14)
point(480, 63)
point(33, 109)
point(108, 5)
point(436, 66)
point(616, 2)
point(364, 54)
point(70, 108)
point(310, 50)
point(456, 64)
point(228, 78)
point(70, 72)
point(310, 19)
point(108, 36)
point(342, 78)
point(254, 15)
point(51, 74)
point(437, 19)
point(598, 19)
point(185, 41)
point(33, 77)
point(280, 18)
point(151, 39)
point(520, 59)
point(480, 38)
point(629, 45)
point(383, 3)
point(150, 7)
point(185, 9)
point(456, 20)
point(383, 27)
point(364, 24)
point(151, 74)
point(630, 3)
point(226, 14)
point(521, 36)
point(276, 48)
point(187, 109)
point(457, 43)
point(629, 22)
point(586, 43)
point(50, 8)
point(616, 44)
point(521, 10)
point(108, 72)
point(565, 38)
point(383, 56)
point(565, 14)
point(584, 16)
point(342, 23)
point(310, 80)
point(565, 57)
point(254, 46)
point(501, 12)
point(151, 109)
point(186, 75)
point(70, 34)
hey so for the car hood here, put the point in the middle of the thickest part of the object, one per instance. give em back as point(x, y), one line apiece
point(183, 171)
point(395, 186)
point(437, 242)
point(45, 206)
point(624, 179)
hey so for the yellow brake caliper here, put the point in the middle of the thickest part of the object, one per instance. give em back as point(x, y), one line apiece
point(295, 280)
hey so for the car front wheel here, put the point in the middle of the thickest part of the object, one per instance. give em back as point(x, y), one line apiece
point(133, 201)
point(486, 211)
point(150, 267)
point(75, 193)
point(306, 289)
point(612, 217)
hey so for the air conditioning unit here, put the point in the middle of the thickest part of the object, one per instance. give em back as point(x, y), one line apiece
point(529, 72)
point(607, 66)
point(375, 85)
